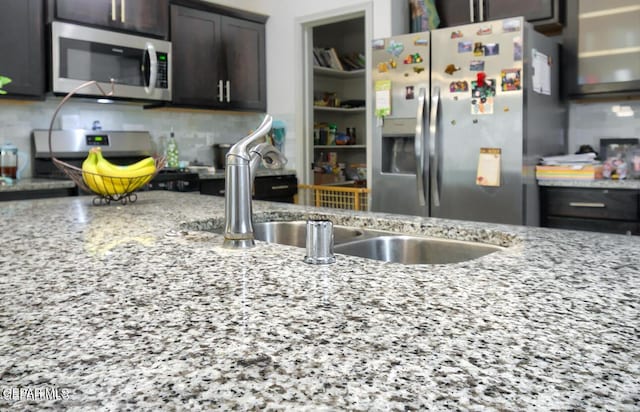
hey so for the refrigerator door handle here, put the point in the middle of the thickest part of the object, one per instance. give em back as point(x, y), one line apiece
point(434, 163)
point(418, 145)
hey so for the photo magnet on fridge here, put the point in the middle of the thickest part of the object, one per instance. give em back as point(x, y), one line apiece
point(409, 93)
point(510, 80)
point(517, 49)
point(491, 49)
point(456, 34)
point(465, 47)
point(510, 25)
point(478, 49)
point(459, 86)
point(378, 44)
point(476, 65)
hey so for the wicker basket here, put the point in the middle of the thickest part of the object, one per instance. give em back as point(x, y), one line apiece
point(340, 197)
point(113, 189)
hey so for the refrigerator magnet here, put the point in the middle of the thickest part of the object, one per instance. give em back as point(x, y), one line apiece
point(395, 48)
point(484, 30)
point(409, 93)
point(510, 25)
point(382, 67)
point(476, 65)
point(459, 86)
point(482, 96)
point(456, 34)
point(465, 47)
point(488, 173)
point(378, 44)
point(510, 80)
point(517, 48)
point(419, 41)
point(492, 49)
point(383, 98)
point(418, 69)
point(451, 68)
point(478, 49)
point(393, 63)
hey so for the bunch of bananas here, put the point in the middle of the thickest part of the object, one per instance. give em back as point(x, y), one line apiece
point(107, 179)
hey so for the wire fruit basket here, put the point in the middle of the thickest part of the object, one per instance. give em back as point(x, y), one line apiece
point(340, 197)
point(117, 186)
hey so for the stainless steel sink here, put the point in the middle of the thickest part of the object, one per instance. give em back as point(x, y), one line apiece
point(294, 233)
point(413, 250)
point(377, 244)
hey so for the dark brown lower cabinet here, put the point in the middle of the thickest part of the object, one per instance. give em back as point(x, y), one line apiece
point(598, 210)
point(272, 188)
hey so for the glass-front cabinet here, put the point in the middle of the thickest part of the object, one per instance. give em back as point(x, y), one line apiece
point(602, 47)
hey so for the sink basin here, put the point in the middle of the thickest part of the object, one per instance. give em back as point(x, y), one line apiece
point(294, 233)
point(377, 244)
point(412, 250)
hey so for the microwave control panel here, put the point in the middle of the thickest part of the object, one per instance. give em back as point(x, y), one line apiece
point(163, 70)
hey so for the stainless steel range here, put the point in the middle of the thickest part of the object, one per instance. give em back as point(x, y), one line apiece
point(120, 147)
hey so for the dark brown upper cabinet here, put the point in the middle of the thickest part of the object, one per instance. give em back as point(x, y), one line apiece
point(219, 60)
point(545, 15)
point(601, 44)
point(22, 47)
point(147, 17)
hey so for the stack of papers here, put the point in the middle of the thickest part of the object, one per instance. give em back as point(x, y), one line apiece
point(582, 166)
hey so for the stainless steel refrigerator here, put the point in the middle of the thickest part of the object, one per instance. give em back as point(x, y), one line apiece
point(462, 115)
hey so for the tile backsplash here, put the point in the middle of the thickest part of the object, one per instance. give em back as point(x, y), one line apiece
point(195, 131)
point(590, 122)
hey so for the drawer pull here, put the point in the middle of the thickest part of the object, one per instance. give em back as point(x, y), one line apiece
point(279, 187)
point(586, 204)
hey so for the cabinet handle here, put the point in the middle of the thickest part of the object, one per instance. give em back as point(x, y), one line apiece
point(228, 91)
point(472, 15)
point(113, 10)
point(280, 187)
point(481, 10)
point(122, 8)
point(220, 91)
point(586, 204)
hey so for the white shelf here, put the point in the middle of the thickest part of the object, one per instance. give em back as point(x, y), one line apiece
point(339, 109)
point(325, 71)
point(340, 146)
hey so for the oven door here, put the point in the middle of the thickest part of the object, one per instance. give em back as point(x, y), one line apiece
point(139, 67)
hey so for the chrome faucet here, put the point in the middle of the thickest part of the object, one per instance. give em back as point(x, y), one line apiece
point(242, 162)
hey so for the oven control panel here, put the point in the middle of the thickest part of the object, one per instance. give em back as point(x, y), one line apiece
point(97, 140)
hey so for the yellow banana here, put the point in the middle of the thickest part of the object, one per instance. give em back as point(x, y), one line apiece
point(124, 179)
point(90, 174)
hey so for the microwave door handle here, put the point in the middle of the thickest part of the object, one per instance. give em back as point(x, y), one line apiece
point(418, 145)
point(434, 147)
point(153, 68)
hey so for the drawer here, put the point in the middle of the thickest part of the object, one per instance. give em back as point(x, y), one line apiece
point(590, 203)
point(270, 187)
point(213, 187)
point(595, 225)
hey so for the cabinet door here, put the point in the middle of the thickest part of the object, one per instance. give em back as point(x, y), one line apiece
point(145, 16)
point(244, 51)
point(195, 38)
point(148, 17)
point(22, 49)
point(96, 12)
point(532, 10)
point(456, 12)
point(602, 48)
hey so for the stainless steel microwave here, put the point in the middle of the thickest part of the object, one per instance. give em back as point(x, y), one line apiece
point(139, 67)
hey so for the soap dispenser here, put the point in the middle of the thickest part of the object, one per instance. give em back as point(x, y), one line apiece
point(172, 152)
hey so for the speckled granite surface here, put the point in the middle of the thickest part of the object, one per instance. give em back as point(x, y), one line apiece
point(131, 308)
point(596, 184)
point(37, 184)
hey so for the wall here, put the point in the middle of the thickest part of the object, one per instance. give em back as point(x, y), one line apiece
point(195, 131)
point(589, 122)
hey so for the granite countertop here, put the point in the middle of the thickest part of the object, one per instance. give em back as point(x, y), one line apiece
point(594, 184)
point(138, 307)
point(38, 184)
point(261, 172)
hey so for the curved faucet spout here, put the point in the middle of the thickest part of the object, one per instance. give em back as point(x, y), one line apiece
point(242, 162)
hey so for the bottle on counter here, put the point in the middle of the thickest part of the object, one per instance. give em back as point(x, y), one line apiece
point(172, 152)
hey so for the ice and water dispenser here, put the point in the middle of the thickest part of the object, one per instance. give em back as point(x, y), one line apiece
point(398, 150)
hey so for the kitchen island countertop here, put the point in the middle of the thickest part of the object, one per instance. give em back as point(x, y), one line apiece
point(138, 307)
